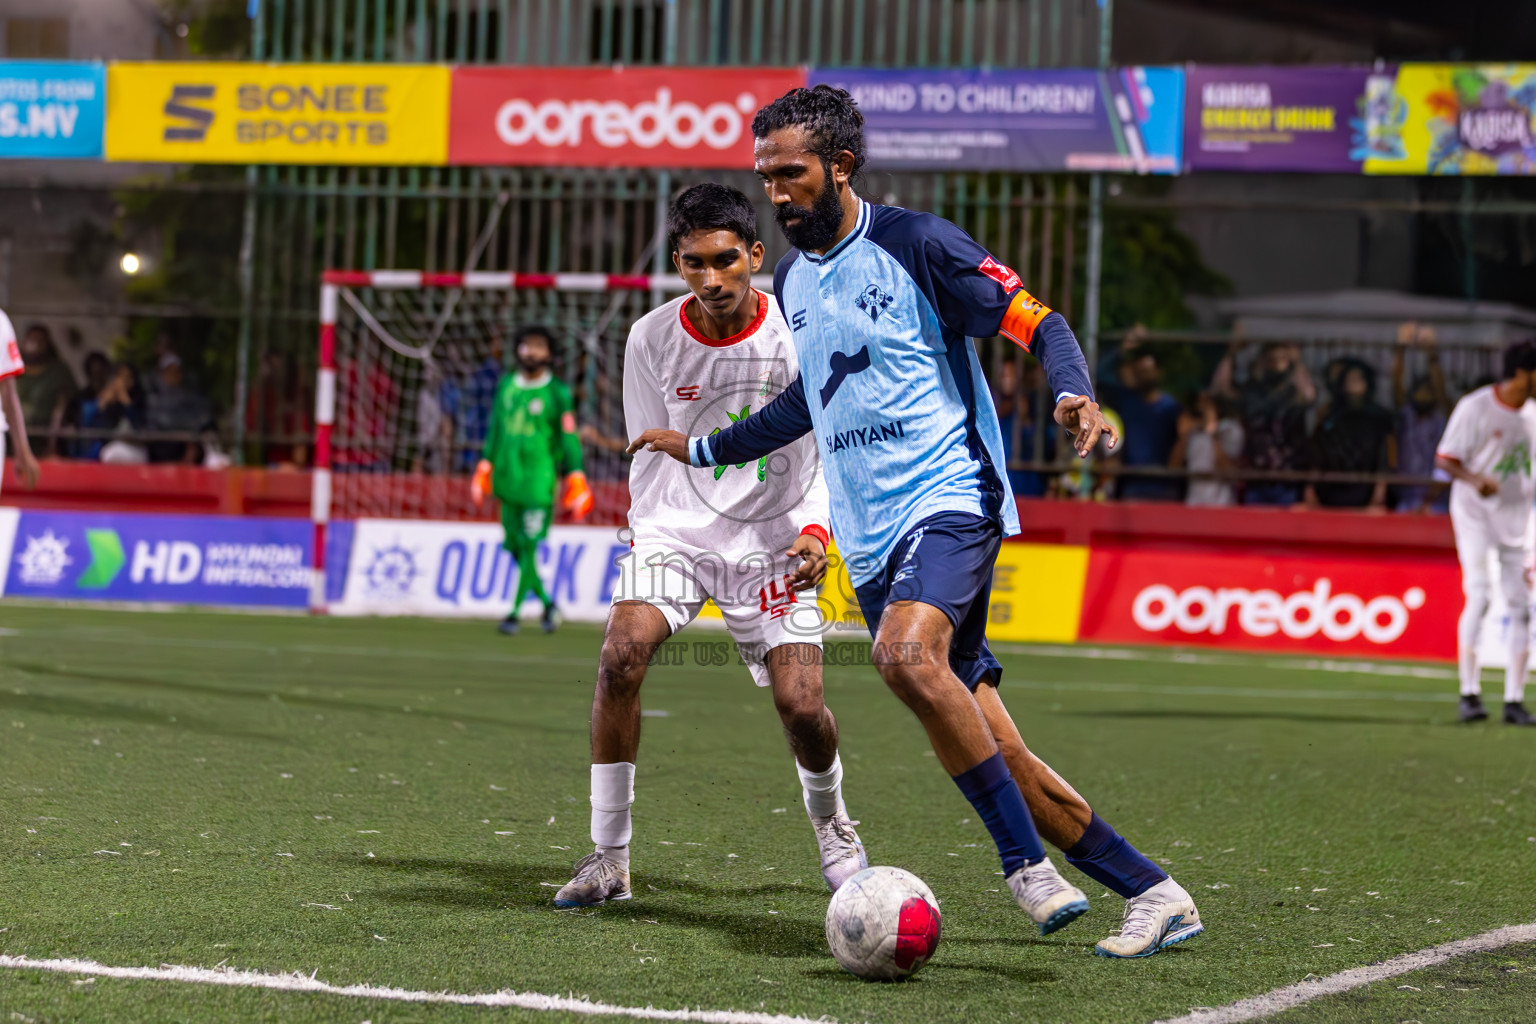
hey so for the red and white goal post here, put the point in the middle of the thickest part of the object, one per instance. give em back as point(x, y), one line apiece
point(407, 367)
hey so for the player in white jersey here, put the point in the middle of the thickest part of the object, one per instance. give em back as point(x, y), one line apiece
point(11, 417)
point(1487, 450)
point(751, 537)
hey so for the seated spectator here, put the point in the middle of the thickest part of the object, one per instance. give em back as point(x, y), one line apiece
point(1209, 446)
point(1151, 418)
point(1018, 414)
point(45, 389)
point(110, 401)
point(1422, 411)
point(98, 373)
point(1272, 405)
point(175, 407)
point(1354, 435)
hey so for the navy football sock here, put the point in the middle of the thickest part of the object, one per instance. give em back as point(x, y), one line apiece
point(1104, 856)
point(996, 797)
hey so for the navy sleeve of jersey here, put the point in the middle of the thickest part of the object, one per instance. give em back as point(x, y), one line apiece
point(973, 294)
point(1058, 351)
point(783, 420)
point(780, 272)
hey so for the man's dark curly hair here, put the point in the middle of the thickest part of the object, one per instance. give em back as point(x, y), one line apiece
point(711, 207)
point(830, 117)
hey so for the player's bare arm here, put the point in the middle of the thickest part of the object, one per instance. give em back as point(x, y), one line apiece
point(1079, 416)
point(1486, 485)
point(27, 468)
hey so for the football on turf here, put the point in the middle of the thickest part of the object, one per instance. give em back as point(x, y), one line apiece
point(883, 924)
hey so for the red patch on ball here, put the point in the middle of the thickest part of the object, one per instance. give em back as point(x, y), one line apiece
point(917, 933)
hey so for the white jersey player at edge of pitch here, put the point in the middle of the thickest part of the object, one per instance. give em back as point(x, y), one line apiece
point(12, 420)
point(1487, 449)
point(752, 537)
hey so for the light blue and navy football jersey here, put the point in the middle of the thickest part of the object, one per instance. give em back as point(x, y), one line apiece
point(890, 382)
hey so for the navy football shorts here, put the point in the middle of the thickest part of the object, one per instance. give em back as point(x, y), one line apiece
point(945, 561)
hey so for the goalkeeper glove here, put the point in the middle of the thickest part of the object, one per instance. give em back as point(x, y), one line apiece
point(480, 483)
point(578, 495)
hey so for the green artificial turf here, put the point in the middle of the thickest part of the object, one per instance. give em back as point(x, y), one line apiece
point(392, 802)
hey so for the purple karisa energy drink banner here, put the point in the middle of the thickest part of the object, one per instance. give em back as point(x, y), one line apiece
point(1312, 119)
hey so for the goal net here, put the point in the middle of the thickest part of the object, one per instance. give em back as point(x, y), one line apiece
point(408, 367)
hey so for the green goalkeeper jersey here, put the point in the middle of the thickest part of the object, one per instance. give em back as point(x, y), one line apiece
point(532, 442)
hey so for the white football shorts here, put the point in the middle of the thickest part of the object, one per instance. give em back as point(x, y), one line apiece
point(753, 594)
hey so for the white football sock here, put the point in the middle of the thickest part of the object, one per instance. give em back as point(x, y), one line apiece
point(1467, 630)
point(1519, 641)
point(613, 791)
point(823, 791)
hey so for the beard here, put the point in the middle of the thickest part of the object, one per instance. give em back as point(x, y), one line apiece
point(532, 369)
point(818, 225)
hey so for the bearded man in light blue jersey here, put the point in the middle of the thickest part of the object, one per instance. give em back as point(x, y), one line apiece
point(882, 303)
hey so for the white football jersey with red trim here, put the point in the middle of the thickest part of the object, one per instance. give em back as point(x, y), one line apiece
point(10, 359)
point(675, 378)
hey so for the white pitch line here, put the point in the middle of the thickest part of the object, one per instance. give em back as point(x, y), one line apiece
point(302, 983)
point(1271, 1003)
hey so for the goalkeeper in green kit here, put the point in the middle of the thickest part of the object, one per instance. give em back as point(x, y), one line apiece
point(530, 444)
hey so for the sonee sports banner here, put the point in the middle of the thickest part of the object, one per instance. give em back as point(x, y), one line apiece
point(278, 113)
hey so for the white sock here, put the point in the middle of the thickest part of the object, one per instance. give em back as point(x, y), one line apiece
point(613, 790)
point(1467, 630)
point(823, 791)
point(1519, 640)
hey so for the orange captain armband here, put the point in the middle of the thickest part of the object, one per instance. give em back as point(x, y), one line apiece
point(1023, 315)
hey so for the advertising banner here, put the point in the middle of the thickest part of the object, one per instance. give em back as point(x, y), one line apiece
point(211, 560)
point(278, 113)
point(418, 567)
point(1317, 119)
point(1129, 119)
point(52, 110)
point(1460, 119)
point(1396, 608)
point(610, 117)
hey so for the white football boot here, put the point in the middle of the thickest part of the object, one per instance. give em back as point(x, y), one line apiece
point(598, 880)
point(1160, 917)
point(842, 854)
point(1051, 901)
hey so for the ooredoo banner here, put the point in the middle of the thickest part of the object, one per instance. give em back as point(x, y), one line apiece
point(1398, 607)
point(1129, 119)
point(51, 109)
point(618, 117)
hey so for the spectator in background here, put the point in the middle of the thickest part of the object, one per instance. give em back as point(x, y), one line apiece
point(468, 391)
point(45, 389)
point(1422, 412)
point(1210, 444)
point(1151, 418)
point(82, 407)
point(110, 401)
point(278, 412)
point(1273, 405)
point(176, 407)
point(1018, 408)
point(1354, 435)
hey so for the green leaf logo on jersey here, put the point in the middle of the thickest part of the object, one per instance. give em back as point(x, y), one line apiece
point(1515, 461)
point(762, 463)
